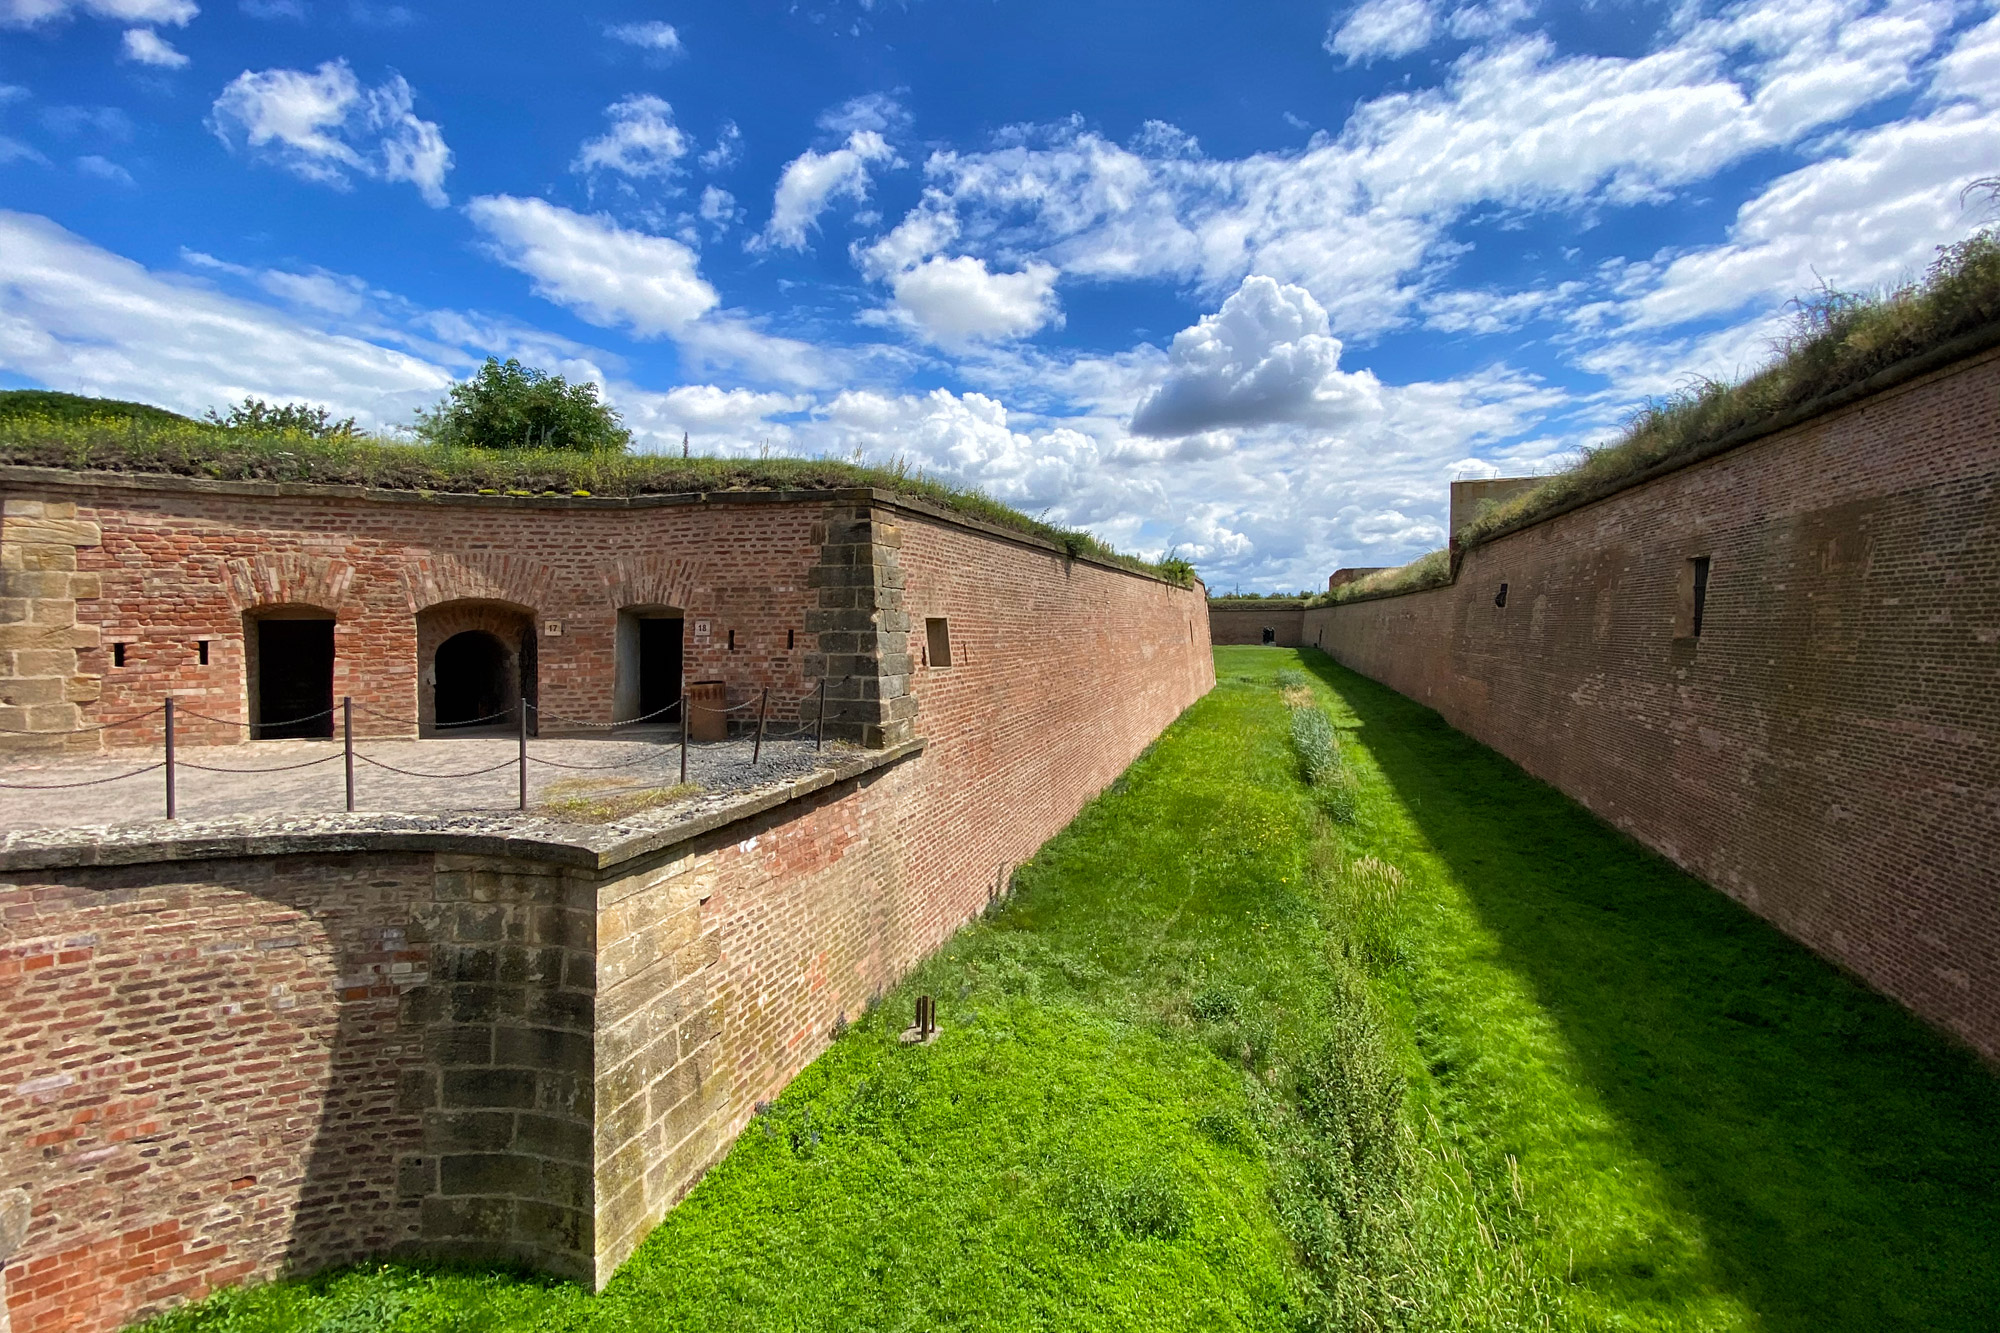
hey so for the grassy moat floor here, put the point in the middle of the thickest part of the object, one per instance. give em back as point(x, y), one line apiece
point(1471, 1060)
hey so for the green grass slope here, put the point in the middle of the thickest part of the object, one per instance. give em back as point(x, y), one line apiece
point(47, 405)
point(1439, 1052)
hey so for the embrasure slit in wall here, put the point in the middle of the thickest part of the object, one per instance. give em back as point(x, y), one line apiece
point(201, 650)
point(1700, 564)
point(117, 654)
point(1500, 599)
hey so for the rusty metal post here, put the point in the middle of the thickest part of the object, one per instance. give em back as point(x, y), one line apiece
point(524, 754)
point(170, 759)
point(347, 745)
point(684, 737)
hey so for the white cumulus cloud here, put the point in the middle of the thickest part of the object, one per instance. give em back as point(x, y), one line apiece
point(1265, 358)
point(957, 300)
point(651, 36)
point(28, 13)
point(610, 276)
point(813, 180)
point(149, 48)
point(1388, 28)
point(325, 127)
point(643, 140)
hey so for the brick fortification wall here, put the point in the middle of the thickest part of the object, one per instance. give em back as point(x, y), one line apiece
point(1246, 624)
point(1827, 750)
point(234, 1067)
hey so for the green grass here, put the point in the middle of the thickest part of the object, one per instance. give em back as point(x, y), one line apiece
point(1474, 1061)
point(121, 442)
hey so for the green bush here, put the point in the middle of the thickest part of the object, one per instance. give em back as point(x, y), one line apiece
point(507, 405)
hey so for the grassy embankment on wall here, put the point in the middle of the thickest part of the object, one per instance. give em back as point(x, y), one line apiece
point(60, 430)
point(1323, 1016)
point(1836, 342)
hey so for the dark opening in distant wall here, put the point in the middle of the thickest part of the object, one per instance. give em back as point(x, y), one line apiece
point(1500, 598)
point(117, 654)
point(732, 641)
point(937, 641)
point(1691, 600)
point(1270, 635)
point(201, 650)
point(1700, 564)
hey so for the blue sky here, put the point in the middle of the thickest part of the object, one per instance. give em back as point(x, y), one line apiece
point(1251, 283)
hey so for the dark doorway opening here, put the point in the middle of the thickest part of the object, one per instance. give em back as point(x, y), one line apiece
point(471, 674)
point(1270, 635)
point(294, 680)
point(659, 668)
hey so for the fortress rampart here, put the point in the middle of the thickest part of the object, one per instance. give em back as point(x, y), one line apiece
point(1779, 667)
point(233, 1051)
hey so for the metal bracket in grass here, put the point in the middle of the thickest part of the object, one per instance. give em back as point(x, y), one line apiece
point(925, 1030)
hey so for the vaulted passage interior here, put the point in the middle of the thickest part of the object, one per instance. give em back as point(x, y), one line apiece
point(472, 679)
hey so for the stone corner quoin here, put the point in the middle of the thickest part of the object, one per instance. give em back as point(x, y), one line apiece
point(219, 1065)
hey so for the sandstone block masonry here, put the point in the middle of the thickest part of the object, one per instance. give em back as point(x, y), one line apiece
point(231, 1054)
point(1779, 667)
point(43, 685)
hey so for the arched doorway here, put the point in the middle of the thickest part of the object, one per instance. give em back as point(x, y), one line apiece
point(476, 663)
point(472, 680)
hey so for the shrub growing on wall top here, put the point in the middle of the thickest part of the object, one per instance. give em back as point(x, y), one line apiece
point(507, 405)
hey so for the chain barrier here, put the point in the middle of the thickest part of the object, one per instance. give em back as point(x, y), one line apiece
point(84, 731)
point(347, 752)
point(71, 786)
point(282, 768)
point(475, 773)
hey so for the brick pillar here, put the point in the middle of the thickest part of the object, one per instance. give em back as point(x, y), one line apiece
point(41, 688)
point(864, 632)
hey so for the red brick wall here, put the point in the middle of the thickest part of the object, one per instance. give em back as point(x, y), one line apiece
point(199, 1076)
point(233, 1068)
point(1231, 624)
point(1827, 751)
point(174, 567)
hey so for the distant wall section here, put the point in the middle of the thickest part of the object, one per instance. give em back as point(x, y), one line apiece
point(1275, 622)
point(1817, 732)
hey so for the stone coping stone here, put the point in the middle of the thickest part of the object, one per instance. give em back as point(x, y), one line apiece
point(529, 837)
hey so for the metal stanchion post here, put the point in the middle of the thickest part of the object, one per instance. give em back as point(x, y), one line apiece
point(170, 759)
point(819, 722)
point(524, 754)
point(347, 744)
point(757, 750)
point(684, 737)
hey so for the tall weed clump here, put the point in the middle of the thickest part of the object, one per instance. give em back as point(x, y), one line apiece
point(1318, 749)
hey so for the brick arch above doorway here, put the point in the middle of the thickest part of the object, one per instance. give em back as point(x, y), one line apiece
point(450, 577)
point(290, 578)
point(653, 580)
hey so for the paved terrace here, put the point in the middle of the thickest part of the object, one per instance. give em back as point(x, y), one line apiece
point(275, 789)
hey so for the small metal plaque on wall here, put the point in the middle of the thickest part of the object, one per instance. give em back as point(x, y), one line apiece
point(701, 631)
point(552, 629)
